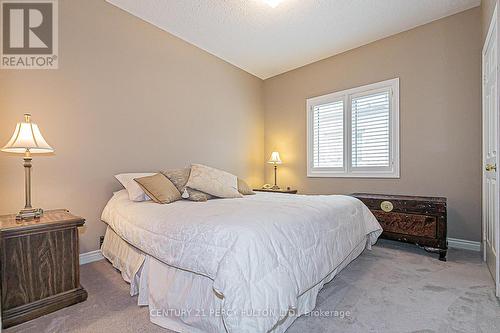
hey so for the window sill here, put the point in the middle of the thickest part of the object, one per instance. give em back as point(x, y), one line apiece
point(353, 175)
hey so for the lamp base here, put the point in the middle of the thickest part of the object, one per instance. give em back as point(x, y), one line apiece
point(29, 213)
point(275, 188)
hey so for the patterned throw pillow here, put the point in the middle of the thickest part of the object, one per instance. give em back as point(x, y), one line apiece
point(179, 177)
point(213, 181)
point(243, 188)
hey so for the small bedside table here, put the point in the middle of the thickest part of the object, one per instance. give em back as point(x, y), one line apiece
point(39, 265)
point(283, 190)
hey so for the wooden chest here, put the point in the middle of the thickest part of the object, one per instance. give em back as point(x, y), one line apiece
point(411, 219)
point(39, 265)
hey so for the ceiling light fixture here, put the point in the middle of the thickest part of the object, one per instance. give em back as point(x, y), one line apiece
point(273, 3)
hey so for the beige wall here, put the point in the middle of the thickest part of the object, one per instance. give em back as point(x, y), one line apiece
point(130, 97)
point(439, 69)
point(127, 97)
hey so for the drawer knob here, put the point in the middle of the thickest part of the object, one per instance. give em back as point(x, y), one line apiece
point(386, 206)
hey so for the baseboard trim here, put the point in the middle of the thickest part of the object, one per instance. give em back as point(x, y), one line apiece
point(464, 244)
point(88, 257)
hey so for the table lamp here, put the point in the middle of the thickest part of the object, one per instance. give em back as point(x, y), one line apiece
point(275, 159)
point(27, 140)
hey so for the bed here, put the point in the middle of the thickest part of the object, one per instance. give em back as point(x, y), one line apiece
point(251, 264)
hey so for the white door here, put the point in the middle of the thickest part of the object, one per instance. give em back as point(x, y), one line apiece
point(491, 195)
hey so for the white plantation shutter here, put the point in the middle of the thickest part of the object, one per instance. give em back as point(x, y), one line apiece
point(355, 132)
point(370, 130)
point(328, 135)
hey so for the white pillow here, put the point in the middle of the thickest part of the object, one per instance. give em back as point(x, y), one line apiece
point(135, 192)
point(216, 182)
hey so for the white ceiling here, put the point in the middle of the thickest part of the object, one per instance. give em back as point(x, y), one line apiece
point(267, 41)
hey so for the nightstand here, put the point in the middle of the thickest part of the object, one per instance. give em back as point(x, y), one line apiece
point(283, 190)
point(39, 265)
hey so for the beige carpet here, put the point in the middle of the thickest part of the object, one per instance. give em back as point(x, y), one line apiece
point(394, 288)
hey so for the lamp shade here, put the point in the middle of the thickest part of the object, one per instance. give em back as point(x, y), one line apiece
point(27, 137)
point(275, 158)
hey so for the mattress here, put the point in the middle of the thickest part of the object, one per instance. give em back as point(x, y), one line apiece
point(259, 254)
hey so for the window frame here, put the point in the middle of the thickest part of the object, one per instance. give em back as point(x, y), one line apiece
point(348, 171)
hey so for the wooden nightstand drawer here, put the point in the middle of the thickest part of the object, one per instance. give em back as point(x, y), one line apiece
point(43, 260)
point(39, 265)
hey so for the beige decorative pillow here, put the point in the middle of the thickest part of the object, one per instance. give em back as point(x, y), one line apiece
point(179, 178)
point(213, 181)
point(159, 188)
point(243, 188)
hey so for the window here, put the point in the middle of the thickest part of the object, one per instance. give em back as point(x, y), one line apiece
point(355, 132)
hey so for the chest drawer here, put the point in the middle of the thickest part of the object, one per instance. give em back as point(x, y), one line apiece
point(407, 224)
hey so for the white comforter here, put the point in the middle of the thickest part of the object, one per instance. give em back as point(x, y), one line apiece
point(261, 251)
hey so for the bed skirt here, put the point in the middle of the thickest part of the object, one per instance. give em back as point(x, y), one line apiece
point(184, 301)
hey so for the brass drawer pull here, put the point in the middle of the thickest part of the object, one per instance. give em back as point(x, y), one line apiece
point(386, 206)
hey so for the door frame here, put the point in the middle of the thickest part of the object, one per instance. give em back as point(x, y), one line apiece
point(494, 21)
